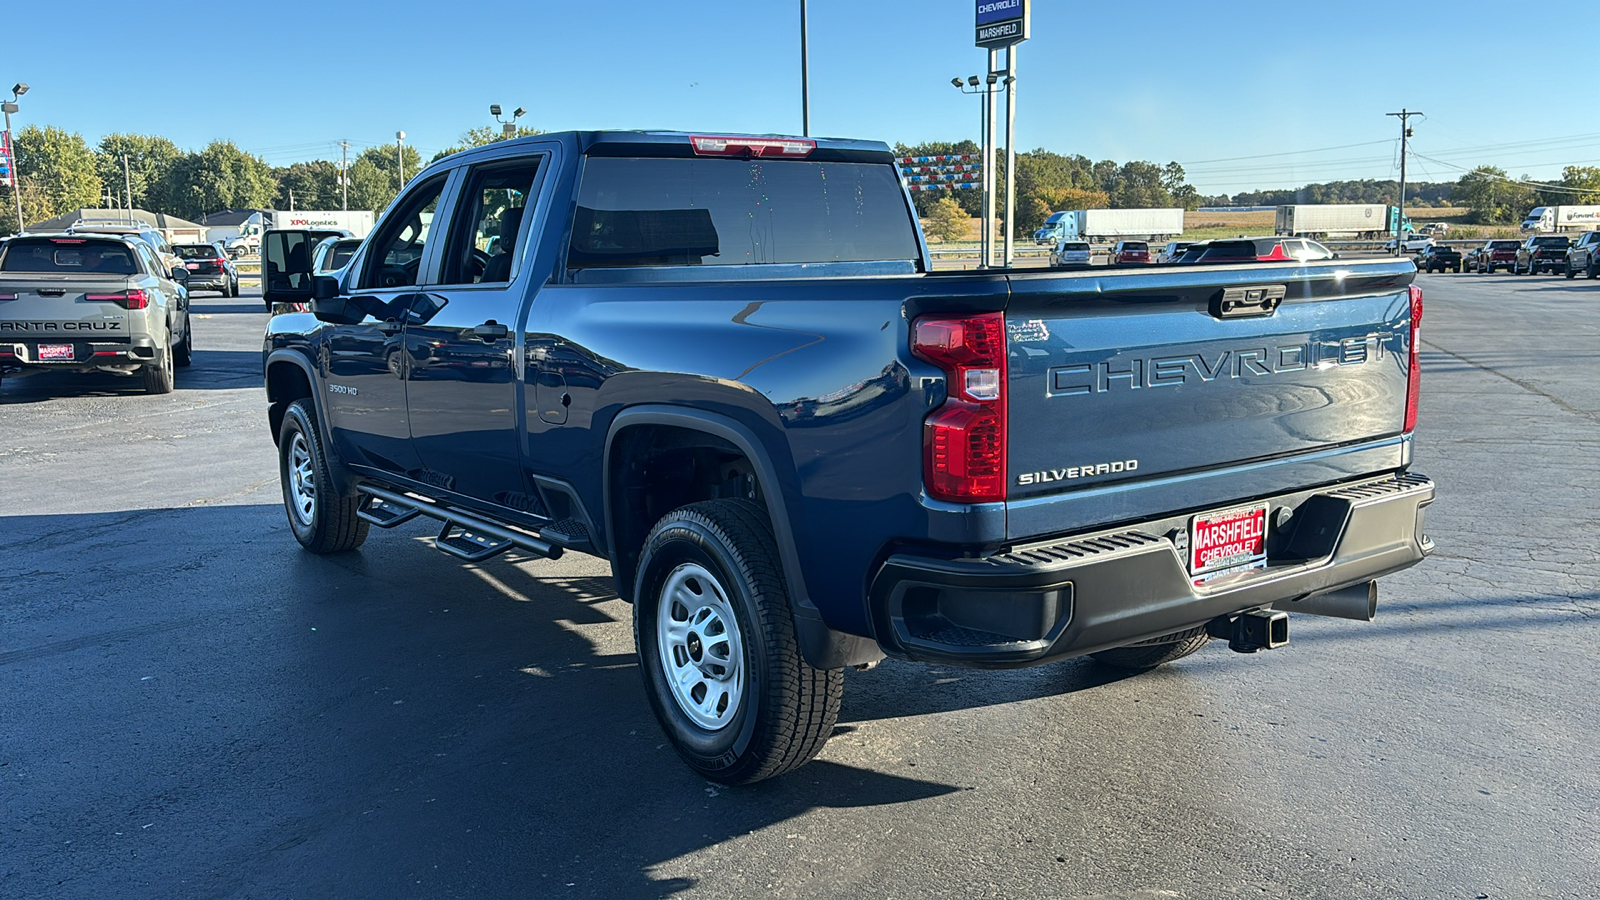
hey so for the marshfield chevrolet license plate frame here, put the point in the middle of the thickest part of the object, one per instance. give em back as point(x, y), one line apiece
point(1228, 540)
point(56, 353)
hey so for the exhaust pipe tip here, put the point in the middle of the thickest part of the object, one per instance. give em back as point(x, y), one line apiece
point(1358, 602)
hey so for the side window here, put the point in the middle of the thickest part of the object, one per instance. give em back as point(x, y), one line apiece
point(398, 246)
point(149, 261)
point(483, 246)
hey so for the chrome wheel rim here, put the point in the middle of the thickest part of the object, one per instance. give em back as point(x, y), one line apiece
point(302, 486)
point(698, 642)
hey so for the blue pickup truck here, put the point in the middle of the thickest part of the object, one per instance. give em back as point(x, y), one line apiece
point(725, 365)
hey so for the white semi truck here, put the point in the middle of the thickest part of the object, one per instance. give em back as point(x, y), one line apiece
point(1366, 221)
point(1110, 224)
point(1548, 219)
point(248, 242)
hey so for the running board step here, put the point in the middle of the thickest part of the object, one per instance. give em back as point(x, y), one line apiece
point(469, 545)
point(464, 535)
point(386, 513)
point(567, 533)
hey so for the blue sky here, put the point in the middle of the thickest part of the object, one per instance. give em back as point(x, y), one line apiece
point(1235, 92)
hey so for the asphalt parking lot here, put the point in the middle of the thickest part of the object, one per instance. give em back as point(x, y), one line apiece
point(193, 707)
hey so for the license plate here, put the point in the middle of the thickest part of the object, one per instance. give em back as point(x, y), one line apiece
point(1228, 539)
point(55, 352)
point(192, 266)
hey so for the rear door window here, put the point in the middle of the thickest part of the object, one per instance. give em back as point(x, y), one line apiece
point(489, 220)
point(67, 257)
point(733, 212)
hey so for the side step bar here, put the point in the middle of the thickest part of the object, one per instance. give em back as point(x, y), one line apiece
point(463, 534)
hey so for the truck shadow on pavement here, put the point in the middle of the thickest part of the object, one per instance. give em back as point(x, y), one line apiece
point(377, 723)
point(211, 370)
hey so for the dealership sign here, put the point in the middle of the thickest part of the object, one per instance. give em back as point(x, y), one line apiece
point(1002, 23)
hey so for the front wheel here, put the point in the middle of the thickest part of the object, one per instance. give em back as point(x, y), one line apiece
point(1571, 272)
point(718, 650)
point(322, 519)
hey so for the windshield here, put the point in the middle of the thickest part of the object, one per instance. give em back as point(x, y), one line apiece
point(67, 256)
point(195, 251)
point(731, 212)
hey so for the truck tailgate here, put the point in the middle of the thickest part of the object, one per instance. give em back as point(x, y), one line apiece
point(1124, 381)
point(44, 307)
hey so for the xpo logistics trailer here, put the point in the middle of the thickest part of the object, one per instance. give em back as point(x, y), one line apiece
point(1546, 219)
point(356, 221)
point(1110, 224)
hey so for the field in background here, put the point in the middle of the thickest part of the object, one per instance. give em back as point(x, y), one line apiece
point(1199, 226)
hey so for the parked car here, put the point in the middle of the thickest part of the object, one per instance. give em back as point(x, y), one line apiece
point(1069, 254)
point(1001, 470)
point(1542, 253)
point(1172, 251)
point(1584, 255)
point(1257, 249)
point(1411, 243)
point(92, 303)
point(1491, 257)
point(1439, 258)
point(209, 267)
point(334, 253)
point(1435, 229)
point(1130, 253)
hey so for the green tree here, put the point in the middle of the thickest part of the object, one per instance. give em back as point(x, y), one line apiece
point(220, 177)
point(483, 136)
point(1584, 179)
point(308, 185)
point(374, 180)
point(946, 221)
point(1495, 199)
point(56, 170)
point(149, 172)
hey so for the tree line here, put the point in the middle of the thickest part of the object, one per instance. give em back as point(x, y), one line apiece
point(59, 172)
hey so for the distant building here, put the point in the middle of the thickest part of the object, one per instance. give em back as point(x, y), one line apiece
point(173, 228)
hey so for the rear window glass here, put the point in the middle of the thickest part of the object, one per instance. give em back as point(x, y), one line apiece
point(1079, 245)
point(195, 251)
point(1231, 250)
point(1135, 245)
point(67, 257)
point(1503, 245)
point(1551, 242)
point(735, 212)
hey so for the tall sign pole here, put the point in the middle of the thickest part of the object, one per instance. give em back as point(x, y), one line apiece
point(805, 80)
point(11, 165)
point(1003, 23)
point(988, 164)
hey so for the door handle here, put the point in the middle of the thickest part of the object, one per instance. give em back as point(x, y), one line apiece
point(490, 331)
point(389, 327)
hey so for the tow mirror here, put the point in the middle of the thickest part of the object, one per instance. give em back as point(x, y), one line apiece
point(286, 266)
point(180, 274)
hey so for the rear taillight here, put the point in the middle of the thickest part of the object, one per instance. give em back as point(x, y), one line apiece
point(126, 299)
point(964, 440)
point(8, 296)
point(1414, 377)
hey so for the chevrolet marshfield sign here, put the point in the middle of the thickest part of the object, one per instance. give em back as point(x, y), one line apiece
point(1002, 23)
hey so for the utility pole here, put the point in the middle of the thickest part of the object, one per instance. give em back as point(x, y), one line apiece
point(127, 186)
point(291, 199)
point(805, 79)
point(400, 156)
point(1405, 133)
point(344, 174)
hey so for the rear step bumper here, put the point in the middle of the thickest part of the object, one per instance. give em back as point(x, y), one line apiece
point(1041, 602)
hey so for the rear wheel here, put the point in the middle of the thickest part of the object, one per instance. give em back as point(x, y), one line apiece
point(717, 646)
point(1140, 657)
point(157, 374)
point(322, 519)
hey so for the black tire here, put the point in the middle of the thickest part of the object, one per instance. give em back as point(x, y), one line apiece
point(1142, 657)
point(330, 524)
point(184, 349)
point(1571, 272)
point(785, 710)
point(1589, 270)
point(157, 374)
point(1491, 268)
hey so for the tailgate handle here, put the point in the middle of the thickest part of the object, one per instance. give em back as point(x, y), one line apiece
point(52, 292)
point(1242, 302)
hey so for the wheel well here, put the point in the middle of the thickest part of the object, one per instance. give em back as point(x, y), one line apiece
point(286, 383)
point(653, 470)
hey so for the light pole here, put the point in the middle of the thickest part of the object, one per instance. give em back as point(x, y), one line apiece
point(805, 77)
point(400, 156)
point(985, 128)
point(508, 127)
point(17, 90)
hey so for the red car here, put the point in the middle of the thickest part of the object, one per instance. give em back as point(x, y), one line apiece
point(1126, 253)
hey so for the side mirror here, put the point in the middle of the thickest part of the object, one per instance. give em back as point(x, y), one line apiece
point(180, 274)
point(286, 266)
